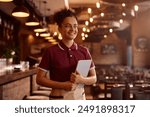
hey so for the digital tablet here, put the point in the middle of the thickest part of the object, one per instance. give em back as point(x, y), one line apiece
point(83, 67)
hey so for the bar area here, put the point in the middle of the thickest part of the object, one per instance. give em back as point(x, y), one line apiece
point(116, 33)
point(17, 85)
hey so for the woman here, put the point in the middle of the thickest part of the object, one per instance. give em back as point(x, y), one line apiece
point(61, 60)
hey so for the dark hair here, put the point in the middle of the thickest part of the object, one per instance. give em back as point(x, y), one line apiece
point(61, 15)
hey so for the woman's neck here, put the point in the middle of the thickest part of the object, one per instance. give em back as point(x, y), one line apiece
point(68, 43)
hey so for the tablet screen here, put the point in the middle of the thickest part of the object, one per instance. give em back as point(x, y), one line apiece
point(83, 67)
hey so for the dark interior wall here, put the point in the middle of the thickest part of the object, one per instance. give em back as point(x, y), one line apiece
point(9, 28)
point(116, 44)
point(140, 30)
point(125, 35)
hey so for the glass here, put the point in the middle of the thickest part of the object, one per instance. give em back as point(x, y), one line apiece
point(2, 66)
point(24, 65)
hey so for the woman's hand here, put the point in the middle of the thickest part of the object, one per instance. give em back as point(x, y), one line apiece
point(76, 77)
point(69, 85)
point(79, 79)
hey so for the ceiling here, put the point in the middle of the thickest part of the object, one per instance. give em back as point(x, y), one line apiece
point(49, 7)
point(111, 8)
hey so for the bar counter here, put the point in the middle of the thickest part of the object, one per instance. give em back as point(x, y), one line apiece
point(17, 85)
point(11, 77)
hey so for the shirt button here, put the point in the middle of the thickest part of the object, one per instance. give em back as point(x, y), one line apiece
point(69, 49)
point(70, 55)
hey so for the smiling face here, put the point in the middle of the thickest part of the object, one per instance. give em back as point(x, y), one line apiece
point(69, 28)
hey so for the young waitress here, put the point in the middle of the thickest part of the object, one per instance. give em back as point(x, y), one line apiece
point(61, 60)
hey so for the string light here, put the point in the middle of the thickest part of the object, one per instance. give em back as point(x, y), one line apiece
point(98, 5)
point(110, 30)
point(121, 20)
point(91, 19)
point(102, 14)
point(124, 14)
point(123, 4)
point(83, 29)
point(136, 7)
point(89, 10)
point(105, 36)
point(83, 38)
point(86, 23)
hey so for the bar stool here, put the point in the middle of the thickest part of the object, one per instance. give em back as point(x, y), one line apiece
point(37, 97)
point(44, 88)
point(116, 93)
point(42, 91)
point(140, 96)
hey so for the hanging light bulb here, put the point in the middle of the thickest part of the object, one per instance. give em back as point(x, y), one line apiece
point(32, 21)
point(43, 27)
point(40, 29)
point(6, 0)
point(45, 34)
point(20, 11)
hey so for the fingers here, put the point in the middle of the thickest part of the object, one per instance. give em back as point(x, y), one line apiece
point(77, 72)
point(73, 77)
point(69, 86)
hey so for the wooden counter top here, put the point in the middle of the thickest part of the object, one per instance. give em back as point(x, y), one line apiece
point(10, 77)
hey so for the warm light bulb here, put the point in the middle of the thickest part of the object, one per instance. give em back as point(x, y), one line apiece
point(110, 30)
point(89, 10)
point(98, 5)
point(32, 23)
point(91, 19)
point(6, 0)
point(136, 7)
point(123, 4)
point(102, 14)
point(20, 14)
point(45, 34)
point(40, 30)
point(86, 23)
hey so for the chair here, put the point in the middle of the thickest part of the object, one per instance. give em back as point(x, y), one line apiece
point(116, 93)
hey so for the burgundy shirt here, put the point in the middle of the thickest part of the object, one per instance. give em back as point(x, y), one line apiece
point(61, 61)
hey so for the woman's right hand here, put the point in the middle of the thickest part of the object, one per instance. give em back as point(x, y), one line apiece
point(69, 85)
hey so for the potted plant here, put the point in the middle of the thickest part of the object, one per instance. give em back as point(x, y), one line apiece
point(9, 55)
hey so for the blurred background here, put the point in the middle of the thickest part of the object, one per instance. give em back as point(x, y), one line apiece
point(115, 31)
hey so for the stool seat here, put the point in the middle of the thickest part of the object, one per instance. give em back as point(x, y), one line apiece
point(37, 98)
point(41, 92)
point(44, 88)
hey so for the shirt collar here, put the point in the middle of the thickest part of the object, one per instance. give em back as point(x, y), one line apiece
point(62, 46)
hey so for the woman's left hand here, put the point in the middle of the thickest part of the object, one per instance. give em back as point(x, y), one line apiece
point(76, 77)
